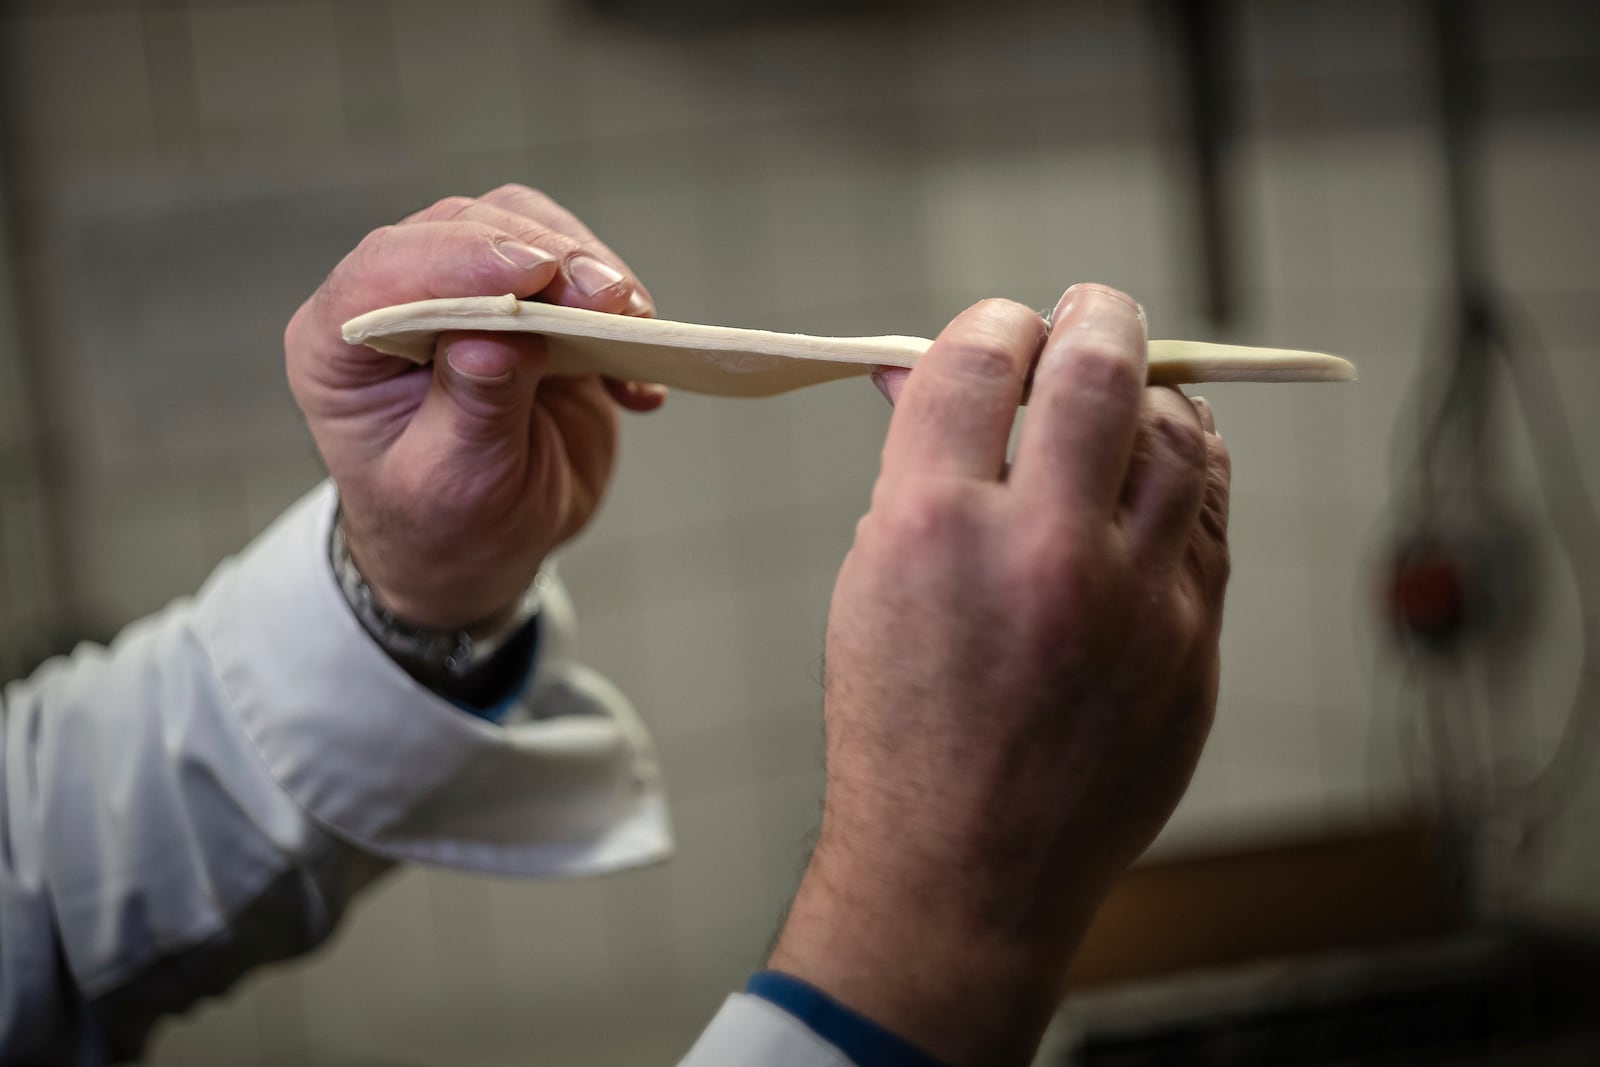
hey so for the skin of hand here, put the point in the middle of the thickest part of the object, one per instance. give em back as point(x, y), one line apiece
point(457, 479)
point(1022, 668)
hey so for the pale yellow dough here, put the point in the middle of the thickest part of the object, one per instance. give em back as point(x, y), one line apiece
point(727, 361)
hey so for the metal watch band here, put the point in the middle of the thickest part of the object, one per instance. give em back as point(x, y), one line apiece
point(455, 653)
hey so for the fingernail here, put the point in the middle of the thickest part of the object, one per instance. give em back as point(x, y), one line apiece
point(639, 304)
point(523, 256)
point(883, 386)
point(591, 276)
point(463, 364)
point(1100, 308)
point(1069, 300)
point(1208, 418)
point(1064, 305)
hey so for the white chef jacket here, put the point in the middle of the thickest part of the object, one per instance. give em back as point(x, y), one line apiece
point(208, 793)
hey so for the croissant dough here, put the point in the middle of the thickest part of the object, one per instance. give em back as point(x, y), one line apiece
point(727, 361)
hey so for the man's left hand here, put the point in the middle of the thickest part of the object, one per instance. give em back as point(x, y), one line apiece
point(459, 477)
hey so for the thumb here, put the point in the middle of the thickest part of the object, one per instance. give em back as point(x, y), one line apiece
point(484, 387)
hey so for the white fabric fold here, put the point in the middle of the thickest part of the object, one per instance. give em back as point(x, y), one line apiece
point(206, 794)
point(570, 786)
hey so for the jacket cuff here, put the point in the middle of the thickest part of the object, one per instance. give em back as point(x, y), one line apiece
point(751, 1030)
point(863, 1041)
point(570, 787)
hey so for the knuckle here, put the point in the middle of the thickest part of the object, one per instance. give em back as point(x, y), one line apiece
point(375, 240)
point(345, 277)
point(517, 191)
point(483, 231)
point(1185, 627)
point(552, 241)
point(1212, 562)
point(448, 209)
point(1105, 369)
point(371, 248)
point(926, 519)
point(1222, 564)
point(1214, 513)
point(1213, 524)
point(1220, 463)
point(1055, 575)
point(864, 528)
point(985, 357)
point(483, 263)
point(1181, 438)
point(1218, 486)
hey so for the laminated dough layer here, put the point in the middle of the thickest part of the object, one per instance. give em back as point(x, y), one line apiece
point(727, 361)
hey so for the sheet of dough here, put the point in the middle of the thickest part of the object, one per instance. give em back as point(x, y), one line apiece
point(727, 361)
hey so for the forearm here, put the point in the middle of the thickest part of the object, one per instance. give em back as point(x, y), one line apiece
point(910, 955)
point(152, 857)
point(207, 794)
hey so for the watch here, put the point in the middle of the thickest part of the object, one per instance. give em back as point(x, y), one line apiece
point(433, 656)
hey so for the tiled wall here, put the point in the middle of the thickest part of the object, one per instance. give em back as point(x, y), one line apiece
point(187, 172)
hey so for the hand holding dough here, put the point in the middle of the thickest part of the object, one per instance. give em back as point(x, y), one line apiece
point(727, 361)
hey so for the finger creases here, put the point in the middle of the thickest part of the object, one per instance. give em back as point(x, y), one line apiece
point(954, 414)
point(1167, 476)
point(420, 261)
point(1211, 537)
point(592, 275)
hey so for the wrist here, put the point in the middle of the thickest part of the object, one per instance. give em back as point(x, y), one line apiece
point(445, 595)
point(475, 667)
point(906, 954)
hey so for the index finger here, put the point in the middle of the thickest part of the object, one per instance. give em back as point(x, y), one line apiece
point(543, 209)
point(399, 264)
point(955, 413)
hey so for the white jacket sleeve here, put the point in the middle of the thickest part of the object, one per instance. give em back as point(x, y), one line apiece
point(206, 795)
point(752, 1032)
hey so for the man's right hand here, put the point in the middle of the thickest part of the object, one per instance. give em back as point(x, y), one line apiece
point(1021, 672)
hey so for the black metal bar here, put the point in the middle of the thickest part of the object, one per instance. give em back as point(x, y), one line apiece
point(1202, 39)
point(1458, 83)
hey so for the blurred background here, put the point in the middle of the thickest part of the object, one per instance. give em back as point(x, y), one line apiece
point(1398, 800)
